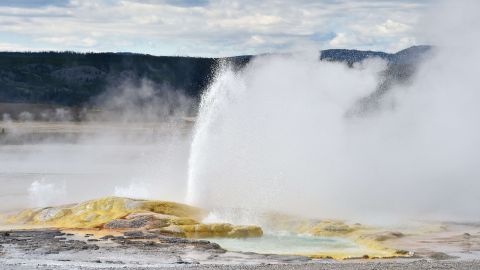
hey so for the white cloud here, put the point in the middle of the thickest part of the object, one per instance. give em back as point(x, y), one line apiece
point(256, 40)
point(402, 44)
point(88, 42)
point(12, 47)
point(339, 40)
point(390, 27)
point(69, 41)
point(210, 28)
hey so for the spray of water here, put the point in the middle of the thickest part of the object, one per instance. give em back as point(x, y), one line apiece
point(276, 135)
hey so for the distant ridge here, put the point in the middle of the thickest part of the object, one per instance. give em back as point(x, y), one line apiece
point(75, 79)
point(408, 55)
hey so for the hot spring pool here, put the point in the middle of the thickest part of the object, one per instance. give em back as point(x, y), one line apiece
point(291, 245)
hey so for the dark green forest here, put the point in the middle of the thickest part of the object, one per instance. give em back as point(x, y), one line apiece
point(76, 79)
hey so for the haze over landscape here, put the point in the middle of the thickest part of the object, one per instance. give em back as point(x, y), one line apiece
point(314, 129)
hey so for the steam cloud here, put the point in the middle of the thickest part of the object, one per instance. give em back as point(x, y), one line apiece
point(135, 144)
point(275, 136)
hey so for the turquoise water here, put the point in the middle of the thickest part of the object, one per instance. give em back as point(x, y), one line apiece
point(288, 244)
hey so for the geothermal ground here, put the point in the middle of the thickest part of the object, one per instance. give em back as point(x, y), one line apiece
point(54, 249)
point(119, 233)
point(79, 237)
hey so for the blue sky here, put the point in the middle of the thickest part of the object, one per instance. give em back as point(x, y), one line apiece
point(208, 27)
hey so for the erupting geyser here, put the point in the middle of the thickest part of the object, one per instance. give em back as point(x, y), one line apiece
point(277, 135)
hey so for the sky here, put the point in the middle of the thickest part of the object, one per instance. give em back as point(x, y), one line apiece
point(208, 28)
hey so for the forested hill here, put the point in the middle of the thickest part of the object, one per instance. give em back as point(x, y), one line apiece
point(75, 79)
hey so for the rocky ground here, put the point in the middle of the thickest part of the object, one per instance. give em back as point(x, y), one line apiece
point(54, 249)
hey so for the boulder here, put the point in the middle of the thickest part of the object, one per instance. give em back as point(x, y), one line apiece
point(146, 222)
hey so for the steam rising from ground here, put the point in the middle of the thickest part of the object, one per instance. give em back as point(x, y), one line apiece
point(44, 193)
point(275, 136)
point(133, 143)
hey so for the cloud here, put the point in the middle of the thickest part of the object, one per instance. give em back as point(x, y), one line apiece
point(209, 28)
point(69, 41)
point(340, 40)
point(390, 27)
point(15, 47)
point(33, 3)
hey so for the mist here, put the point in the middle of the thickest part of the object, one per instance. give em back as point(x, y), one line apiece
point(133, 142)
point(277, 135)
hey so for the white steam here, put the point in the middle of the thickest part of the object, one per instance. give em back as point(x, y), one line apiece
point(275, 136)
point(135, 189)
point(44, 193)
point(134, 143)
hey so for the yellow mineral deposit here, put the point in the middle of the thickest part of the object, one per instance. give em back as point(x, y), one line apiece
point(95, 213)
point(124, 213)
point(112, 215)
point(221, 230)
point(369, 239)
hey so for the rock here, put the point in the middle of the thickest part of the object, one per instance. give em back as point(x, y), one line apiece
point(164, 219)
point(402, 252)
point(149, 214)
point(96, 213)
point(441, 256)
point(107, 237)
point(134, 234)
point(123, 223)
point(245, 232)
point(172, 230)
point(183, 221)
point(221, 230)
point(383, 236)
point(51, 213)
point(328, 228)
point(137, 222)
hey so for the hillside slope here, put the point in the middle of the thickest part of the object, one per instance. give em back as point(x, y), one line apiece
point(75, 79)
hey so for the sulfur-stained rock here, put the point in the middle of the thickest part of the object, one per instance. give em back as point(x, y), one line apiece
point(329, 228)
point(27, 216)
point(183, 221)
point(383, 236)
point(96, 213)
point(174, 209)
point(149, 214)
point(221, 230)
point(245, 232)
point(169, 218)
point(146, 222)
point(172, 230)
